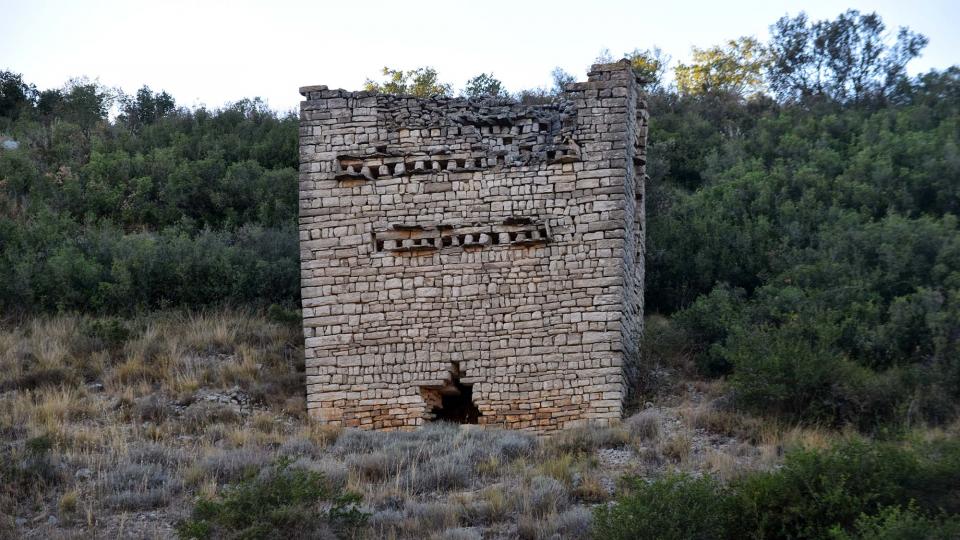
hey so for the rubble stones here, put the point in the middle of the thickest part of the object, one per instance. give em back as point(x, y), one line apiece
point(450, 243)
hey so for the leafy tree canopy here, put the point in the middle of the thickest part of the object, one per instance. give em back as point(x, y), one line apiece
point(735, 67)
point(650, 64)
point(420, 82)
point(484, 85)
point(847, 59)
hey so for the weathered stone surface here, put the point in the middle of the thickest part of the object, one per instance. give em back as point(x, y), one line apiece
point(484, 249)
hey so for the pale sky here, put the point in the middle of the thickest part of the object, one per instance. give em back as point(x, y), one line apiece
point(212, 52)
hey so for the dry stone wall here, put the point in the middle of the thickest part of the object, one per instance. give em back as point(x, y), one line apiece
point(473, 260)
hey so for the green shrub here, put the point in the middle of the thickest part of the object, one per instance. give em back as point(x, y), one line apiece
point(28, 471)
point(783, 371)
point(817, 490)
point(111, 331)
point(281, 502)
point(849, 489)
point(39, 445)
point(897, 523)
point(795, 371)
point(674, 507)
point(281, 315)
point(708, 322)
point(36, 378)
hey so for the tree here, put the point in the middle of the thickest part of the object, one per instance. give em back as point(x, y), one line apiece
point(48, 103)
point(484, 85)
point(650, 65)
point(733, 68)
point(15, 95)
point(560, 79)
point(541, 95)
point(420, 82)
point(604, 57)
point(83, 103)
point(146, 107)
point(847, 59)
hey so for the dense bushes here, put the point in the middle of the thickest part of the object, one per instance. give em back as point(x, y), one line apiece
point(672, 508)
point(160, 207)
point(103, 269)
point(854, 490)
point(808, 246)
point(812, 250)
point(898, 523)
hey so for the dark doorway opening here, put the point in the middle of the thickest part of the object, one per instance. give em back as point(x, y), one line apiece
point(458, 407)
point(452, 402)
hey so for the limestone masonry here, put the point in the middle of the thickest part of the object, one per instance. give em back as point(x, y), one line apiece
point(474, 260)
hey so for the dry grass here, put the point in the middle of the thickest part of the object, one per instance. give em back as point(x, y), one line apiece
point(587, 438)
point(105, 394)
point(589, 489)
point(645, 425)
point(723, 465)
point(728, 423)
point(559, 467)
point(112, 420)
point(676, 448)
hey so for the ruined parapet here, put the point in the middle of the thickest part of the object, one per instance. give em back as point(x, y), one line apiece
point(472, 260)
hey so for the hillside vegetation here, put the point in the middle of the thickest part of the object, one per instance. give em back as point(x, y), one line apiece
point(801, 364)
point(162, 207)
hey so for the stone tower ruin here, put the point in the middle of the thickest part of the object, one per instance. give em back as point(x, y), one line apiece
point(473, 260)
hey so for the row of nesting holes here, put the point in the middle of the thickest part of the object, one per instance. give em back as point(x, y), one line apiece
point(465, 240)
point(509, 130)
point(392, 169)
